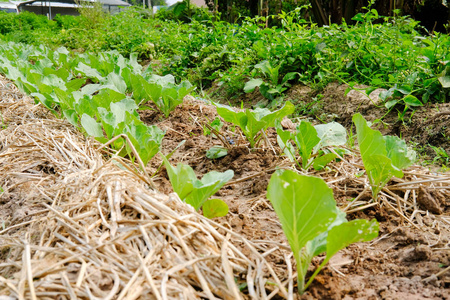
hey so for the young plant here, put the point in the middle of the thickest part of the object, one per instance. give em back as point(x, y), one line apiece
point(216, 124)
point(196, 192)
point(309, 140)
point(311, 221)
point(272, 88)
point(383, 156)
point(252, 122)
point(162, 90)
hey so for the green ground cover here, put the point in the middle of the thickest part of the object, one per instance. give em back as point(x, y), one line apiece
point(377, 51)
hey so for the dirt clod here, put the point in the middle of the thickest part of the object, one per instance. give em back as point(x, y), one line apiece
point(428, 202)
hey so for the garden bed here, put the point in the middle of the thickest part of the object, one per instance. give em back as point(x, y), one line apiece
point(78, 224)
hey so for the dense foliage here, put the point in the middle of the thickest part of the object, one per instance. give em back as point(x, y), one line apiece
point(389, 54)
point(377, 51)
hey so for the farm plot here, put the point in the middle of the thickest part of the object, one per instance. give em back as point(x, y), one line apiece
point(80, 224)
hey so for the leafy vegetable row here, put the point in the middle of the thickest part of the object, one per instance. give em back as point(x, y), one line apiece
point(101, 95)
point(98, 93)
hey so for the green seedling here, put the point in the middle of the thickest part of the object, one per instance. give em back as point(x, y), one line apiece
point(196, 192)
point(383, 156)
point(271, 87)
point(309, 140)
point(311, 221)
point(252, 122)
point(216, 152)
point(216, 124)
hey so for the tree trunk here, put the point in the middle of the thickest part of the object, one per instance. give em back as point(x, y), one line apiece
point(318, 13)
point(253, 6)
point(349, 11)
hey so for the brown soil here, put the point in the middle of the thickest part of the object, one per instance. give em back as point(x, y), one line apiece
point(409, 259)
point(402, 263)
point(426, 126)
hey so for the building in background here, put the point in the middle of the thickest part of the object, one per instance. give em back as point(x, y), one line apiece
point(196, 2)
point(8, 7)
point(51, 8)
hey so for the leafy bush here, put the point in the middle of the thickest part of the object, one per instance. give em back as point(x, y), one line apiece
point(377, 51)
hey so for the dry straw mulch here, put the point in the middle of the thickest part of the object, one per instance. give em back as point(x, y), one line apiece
point(76, 224)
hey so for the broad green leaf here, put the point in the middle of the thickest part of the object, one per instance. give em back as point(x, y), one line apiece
point(182, 178)
point(89, 72)
point(271, 72)
point(444, 79)
point(120, 108)
point(44, 99)
point(283, 139)
point(84, 106)
point(232, 115)
point(252, 84)
point(108, 120)
point(252, 122)
point(289, 76)
point(306, 208)
point(376, 153)
point(208, 186)
point(306, 139)
point(53, 81)
point(391, 103)
point(90, 89)
point(75, 84)
point(162, 80)
point(411, 100)
point(311, 221)
point(91, 126)
point(345, 234)
point(216, 152)
point(399, 153)
point(71, 116)
point(135, 66)
point(330, 134)
point(115, 82)
point(304, 204)
point(171, 95)
point(11, 71)
point(106, 96)
point(320, 162)
point(370, 141)
point(146, 139)
point(380, 170)
point(62, 73)
point(191, 190)
point(65, 99)
point(214, 208)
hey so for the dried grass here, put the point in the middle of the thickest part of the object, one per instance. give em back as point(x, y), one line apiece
point(75, 224)
point(78, 226)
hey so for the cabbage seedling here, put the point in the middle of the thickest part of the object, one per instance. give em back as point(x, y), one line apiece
point(383, 156)
point(311, 221)
point(193, 191)
point(252, 122)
